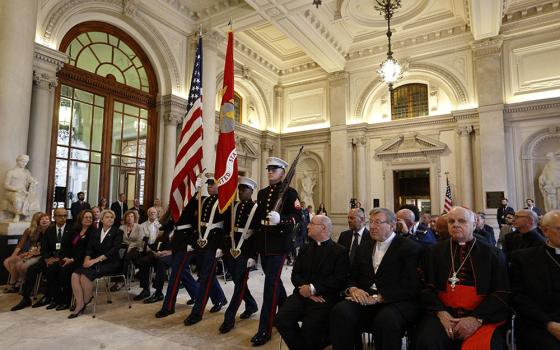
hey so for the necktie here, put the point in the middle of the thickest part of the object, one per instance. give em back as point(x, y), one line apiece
point(354, 246)
point(96, 225)
point(59, 234)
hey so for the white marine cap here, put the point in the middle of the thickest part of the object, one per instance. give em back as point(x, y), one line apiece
point(274, 162)
point(247, 181)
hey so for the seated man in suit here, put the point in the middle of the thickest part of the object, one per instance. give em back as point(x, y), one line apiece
point(465, 291)
point(382, 289)
point(535, 283)
point(408, 225)
point(485, 231)
point(525, 234)
point(356, 235)
point(319, 275)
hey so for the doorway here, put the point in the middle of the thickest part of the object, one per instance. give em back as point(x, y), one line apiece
point(412, 187)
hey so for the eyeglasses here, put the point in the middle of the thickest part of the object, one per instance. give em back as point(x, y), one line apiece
point(521, 216)
point(376, 222)
point(312, 223)
point(60, 216)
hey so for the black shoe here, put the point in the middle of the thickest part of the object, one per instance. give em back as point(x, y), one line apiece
point(72, 308)
point(164, 313)
point(117, 286)
point(226, 327)
point(190, 302)
point(76, 314)
point(52, 305)
point(62, 307)
point(217, 307)
point(192, 319)
point(11, 289)
point(154, 298)
point(87, 303)
point(25, 302)
point(44, 301)
point(143, 295)
point(260, 339)
point(247, 314)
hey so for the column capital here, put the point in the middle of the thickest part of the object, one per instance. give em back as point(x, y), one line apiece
point(44, 80)
point(338, 77)
point(267, 146)
point(464, 130)
point(172, 108)
point(212, 39)
point(488, 47)
point(278, 91)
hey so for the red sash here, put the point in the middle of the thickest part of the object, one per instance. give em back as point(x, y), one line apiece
point(465, 297)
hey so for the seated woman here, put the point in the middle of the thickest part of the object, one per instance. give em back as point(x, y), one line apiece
point(132, 239)
point(21, 248)
point(72, 256)
point(102, 258)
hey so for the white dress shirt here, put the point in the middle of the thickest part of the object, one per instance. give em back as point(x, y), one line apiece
point(380, 250)
point(104, 233)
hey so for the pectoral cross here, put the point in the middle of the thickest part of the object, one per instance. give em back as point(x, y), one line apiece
point(454, 280)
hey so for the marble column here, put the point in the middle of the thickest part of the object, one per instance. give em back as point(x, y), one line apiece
point(18, 20)
point(466, 166)
point(361, 163)
point(488, 80)
point(47, 62)
point(210, 42)
point(266, 151)
point(278, 109)
point(171, 110)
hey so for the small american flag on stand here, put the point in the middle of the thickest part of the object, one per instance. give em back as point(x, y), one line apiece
point(448, 201)
point(189, 152)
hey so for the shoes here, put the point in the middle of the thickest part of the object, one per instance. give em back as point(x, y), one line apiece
point(117, 286)
point(217, 307)
point(44, 301)
point(72, 308)
point(11, 289)
point(164, 313)
point(260, 339)
point(76, 314)
point(154, 298)
point(143, 295)
point(190, 302)
point(87, 303)
point(247, 314)
point(62, 307)
point(226, 327)
point(25, 302)
point(192, 319)
point(52, 305)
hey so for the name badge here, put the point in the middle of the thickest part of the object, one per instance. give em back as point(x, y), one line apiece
point(58, 246)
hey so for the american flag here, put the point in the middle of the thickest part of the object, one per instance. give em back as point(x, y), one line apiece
point(448, 201)
point(189, 152)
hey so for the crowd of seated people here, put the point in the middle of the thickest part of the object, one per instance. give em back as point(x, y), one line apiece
point(444, 281)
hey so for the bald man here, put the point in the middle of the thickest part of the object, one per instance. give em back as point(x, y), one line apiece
point(525, 234)
point(535, 282)
point(408, 226)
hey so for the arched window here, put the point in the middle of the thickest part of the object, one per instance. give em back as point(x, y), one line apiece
point(105, 123)
point(238, 103)
point(409, 101)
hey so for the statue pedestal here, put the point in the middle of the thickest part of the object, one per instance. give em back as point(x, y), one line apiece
point(10, 234)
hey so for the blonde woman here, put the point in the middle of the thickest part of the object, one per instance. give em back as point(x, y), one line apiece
point(132, 238)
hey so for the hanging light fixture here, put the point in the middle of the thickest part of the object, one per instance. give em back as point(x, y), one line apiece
point(317, 3)
point(389, 70)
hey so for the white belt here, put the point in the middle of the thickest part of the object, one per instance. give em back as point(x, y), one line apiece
point(240, 230)
point(212, 226)
point(183, 227)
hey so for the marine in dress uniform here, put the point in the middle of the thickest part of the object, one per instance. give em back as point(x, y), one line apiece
point(274, 238)
point(243, 253)
point(209, 241)
point(466, 291)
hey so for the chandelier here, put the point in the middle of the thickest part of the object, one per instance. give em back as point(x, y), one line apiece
point(317, 3)
point(390, 70)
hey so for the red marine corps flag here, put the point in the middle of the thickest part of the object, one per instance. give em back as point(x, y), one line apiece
point(226, 155)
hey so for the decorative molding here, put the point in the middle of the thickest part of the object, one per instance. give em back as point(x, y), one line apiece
point(130, 7)
point(256, 57)
point(44, 55)
point(44, 80)
point(533, 11)
point(172, 109)
point(464, 130)
point(487, 47)
point(532, 106)
point(324, 31)
point(410, 146)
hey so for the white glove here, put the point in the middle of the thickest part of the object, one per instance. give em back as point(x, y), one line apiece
point(273, 218)
point(251, 263)
point(198, 183)
point(219, 253)
point(189, 248)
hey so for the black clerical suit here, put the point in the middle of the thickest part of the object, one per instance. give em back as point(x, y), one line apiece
point(517, 240)
point(51, 245)
point(396, 280)
point(273, 242)
point(535, 283)
point(240, 271)
point(326, 266)
point(484, 269)
point(346, 239)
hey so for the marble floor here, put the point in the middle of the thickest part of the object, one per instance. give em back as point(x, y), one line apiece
point(117, 327)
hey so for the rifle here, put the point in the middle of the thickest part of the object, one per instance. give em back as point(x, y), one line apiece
point(286, 183)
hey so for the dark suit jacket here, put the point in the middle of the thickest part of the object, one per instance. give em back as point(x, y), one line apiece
point(396, 278)
point(75, 251)
point(345, 239)
point(517, 240)
point(532, 276)
point(50, 239)
point(109, 247)
point(326, 267)
point(117, 209)
point(76, 208)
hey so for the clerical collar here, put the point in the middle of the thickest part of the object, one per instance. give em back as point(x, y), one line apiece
point(463, 244)
point(323, 242)
point(556, 250)
point(386, 242)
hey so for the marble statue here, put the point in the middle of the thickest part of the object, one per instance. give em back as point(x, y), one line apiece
point(20, 190)
point(308, 183)
point(549, 182)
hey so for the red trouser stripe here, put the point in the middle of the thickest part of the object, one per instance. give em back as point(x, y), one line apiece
point(243, 285)
point(174, 290)
point(273, 306)
point(207, 290)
